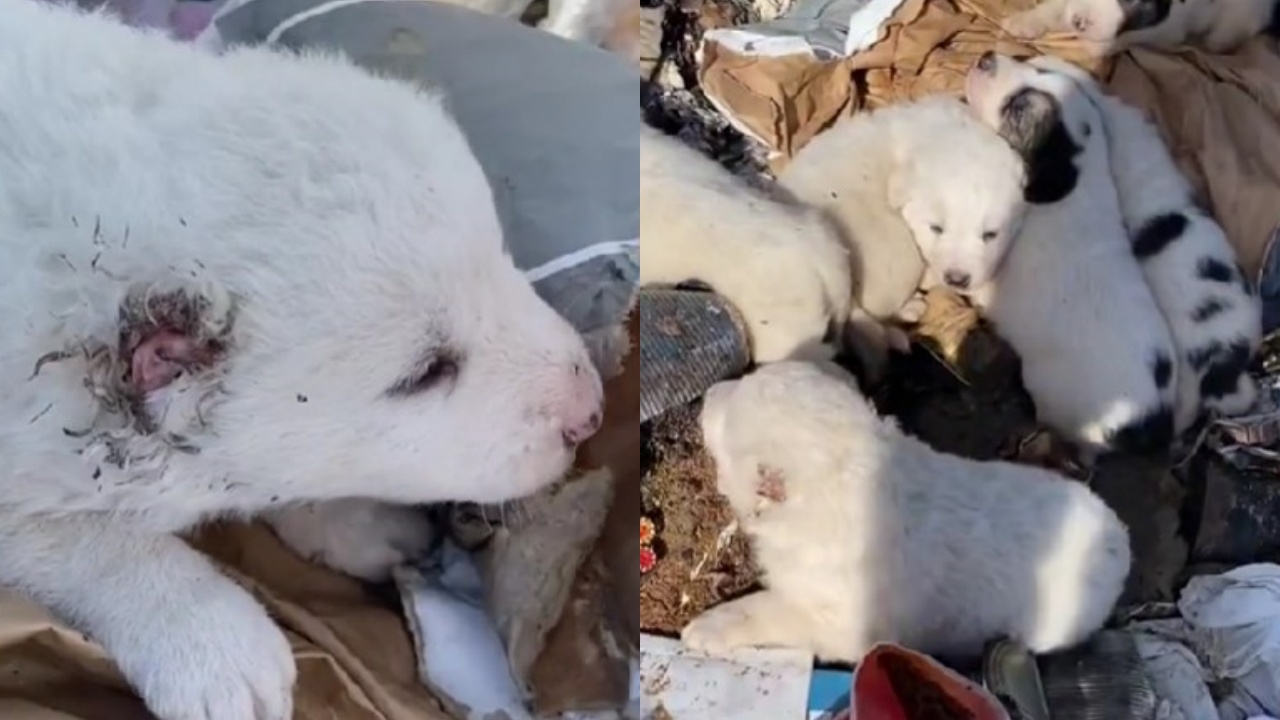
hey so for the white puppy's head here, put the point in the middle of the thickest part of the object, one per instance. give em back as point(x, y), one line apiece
point(1103, 24)
point(773, 429)
point(365, 338)
point(1040, 109)
point(961, 194)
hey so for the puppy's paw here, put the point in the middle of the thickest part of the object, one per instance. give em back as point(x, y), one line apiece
point(913, 311)
point(362, 538)
point(220, 659)
point(1023, 26)
point(719, 631)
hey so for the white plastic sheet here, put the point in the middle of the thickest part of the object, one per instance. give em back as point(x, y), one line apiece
point(1228, 636)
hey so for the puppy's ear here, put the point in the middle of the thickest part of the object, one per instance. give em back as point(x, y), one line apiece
point(771, 483)
point(1031, 121)
point(899, 189)
point(166, 332)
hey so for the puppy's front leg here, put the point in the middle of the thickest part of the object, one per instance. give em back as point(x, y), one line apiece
point(192, 643)
point(1046, 17)
point(761, 619)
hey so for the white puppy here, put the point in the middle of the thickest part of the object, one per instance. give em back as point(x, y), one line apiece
point(865, 534)
point(780, 264)
point(1212, 309)
point(1097, 353)
point(1109, 26)
point(918, 178)
point(232, 283)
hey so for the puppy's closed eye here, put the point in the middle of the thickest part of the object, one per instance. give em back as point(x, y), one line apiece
point(989, 235)
point(936, 229)
point(435, 371)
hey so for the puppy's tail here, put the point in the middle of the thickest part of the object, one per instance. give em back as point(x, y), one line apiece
point(1149, 434)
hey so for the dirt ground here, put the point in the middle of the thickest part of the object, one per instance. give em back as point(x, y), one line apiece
point(959, 390)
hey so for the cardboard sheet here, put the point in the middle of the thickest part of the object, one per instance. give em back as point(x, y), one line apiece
point(355, 659)
point(1219, 114)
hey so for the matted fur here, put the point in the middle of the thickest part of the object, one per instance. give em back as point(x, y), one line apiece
point(780, 264)
point(865, 534)
point(1097, 353)
point(1109, 26)
point(892, 178)
point(1213, 312)
point(314, 241)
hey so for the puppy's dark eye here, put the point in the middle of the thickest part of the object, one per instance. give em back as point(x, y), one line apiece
point(989, 235)
point(432, 373)
point(937, 229)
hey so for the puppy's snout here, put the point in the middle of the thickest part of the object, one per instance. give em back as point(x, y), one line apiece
point(957, 279)
point(577, 434)
point(987, 63)
point(584, 410)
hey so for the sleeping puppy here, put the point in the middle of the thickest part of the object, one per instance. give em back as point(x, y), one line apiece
point(1213, 312)
point(1109, 26)
point(779, 263)
point(865, 534)
point(1097, 355)
point(234, 283)
point(888, 181)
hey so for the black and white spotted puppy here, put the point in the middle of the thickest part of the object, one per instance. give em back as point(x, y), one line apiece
point(1211, 306)
point(1097, 353)
point(1109, 26)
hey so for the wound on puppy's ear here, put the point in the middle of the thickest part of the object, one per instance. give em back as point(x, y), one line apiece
point(163, 335)
point(772, 483)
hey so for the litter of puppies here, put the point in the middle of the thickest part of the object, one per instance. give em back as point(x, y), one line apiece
point(1136, 328)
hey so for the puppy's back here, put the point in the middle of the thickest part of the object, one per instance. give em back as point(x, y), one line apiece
point(779, 262)
point(948, 552)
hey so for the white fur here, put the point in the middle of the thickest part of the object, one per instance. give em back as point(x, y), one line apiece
point(780, 264)
point(1070, 297)
point(1151, 186)
point(338, 231)
point(881, 538)
point(360, 537)
point(1214, 25)
point(890, 178)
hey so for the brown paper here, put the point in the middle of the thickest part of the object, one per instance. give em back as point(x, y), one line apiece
point(1220, 114)
point(355, 659)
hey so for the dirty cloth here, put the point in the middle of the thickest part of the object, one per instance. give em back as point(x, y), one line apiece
point(1220, 114)
point(1229, 635)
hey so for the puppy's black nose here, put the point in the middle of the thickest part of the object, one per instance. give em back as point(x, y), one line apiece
point(987, 63)
point(956, 279)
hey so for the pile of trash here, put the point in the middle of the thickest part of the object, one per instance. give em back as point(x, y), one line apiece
point(1197, 635)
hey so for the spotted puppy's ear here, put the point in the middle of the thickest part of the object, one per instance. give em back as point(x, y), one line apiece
point(1031, 121)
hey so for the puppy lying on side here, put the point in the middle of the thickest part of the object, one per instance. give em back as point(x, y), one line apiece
point(234, 283)
point(927, 168)
point(1212, 309)
point(1097, 355)
point(865, 534)
point(1109, 26)
point(779, 263)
